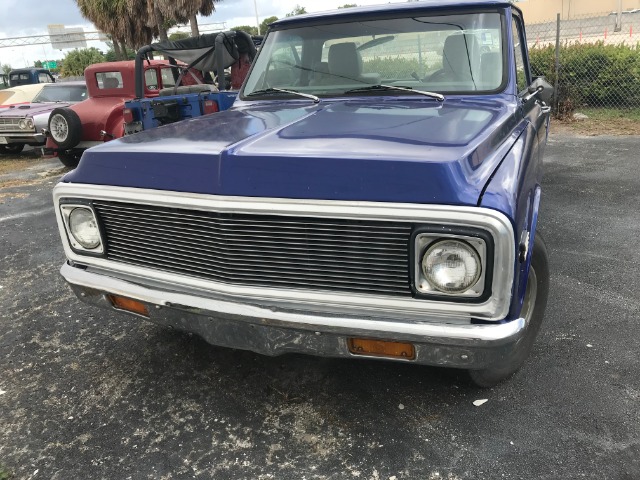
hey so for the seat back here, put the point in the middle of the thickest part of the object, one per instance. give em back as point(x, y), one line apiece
point(111, 82)
point(345, 62)
point(461, 57)
point(491, 70)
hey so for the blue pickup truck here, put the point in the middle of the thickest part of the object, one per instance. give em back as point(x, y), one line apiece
point(372, 193)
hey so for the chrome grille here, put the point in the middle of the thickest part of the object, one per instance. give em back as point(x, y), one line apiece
point(9, 124)
point(261, 250)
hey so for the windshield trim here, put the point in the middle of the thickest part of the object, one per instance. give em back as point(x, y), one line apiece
point(502, 11)
point(348, 16)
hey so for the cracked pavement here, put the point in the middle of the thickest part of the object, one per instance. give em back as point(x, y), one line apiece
point(96, 394)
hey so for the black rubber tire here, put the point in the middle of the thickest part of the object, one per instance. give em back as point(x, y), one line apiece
point(73, 134)
point(70, 159)
point(490, 376)
point(12, 149)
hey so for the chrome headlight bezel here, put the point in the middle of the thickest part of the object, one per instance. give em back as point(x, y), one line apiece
point(479, 240)
point(30, 123)
point(22, 124)
point(66, 210)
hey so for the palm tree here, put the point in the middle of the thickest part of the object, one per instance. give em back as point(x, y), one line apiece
point(124, 20)
point(182, 11)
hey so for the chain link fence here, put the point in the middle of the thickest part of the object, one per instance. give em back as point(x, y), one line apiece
point(593, 62)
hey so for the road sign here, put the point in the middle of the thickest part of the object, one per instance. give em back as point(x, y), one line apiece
point(50, 65)
point(63, 37)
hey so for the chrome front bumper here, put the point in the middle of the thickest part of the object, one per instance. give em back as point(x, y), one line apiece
point(443, 341)
point(22, 137)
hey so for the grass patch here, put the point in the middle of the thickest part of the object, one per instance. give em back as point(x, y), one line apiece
point(601, 121)
point(4, 473)
point(604, 114)
point(14, 163)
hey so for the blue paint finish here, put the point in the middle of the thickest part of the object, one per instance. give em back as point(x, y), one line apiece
point(514, 191)
point(190, 105)
point(389, 9)
point(393, 149)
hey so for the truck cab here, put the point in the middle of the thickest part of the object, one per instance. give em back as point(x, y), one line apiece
point(27, 76)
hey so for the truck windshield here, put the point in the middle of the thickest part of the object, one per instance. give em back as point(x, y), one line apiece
point(440, 53)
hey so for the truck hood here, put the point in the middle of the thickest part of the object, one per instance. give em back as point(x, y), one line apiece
point(31, 109)
point(387, 149)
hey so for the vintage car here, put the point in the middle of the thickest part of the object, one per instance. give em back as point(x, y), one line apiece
point(99, 118)
point(212, 52)
point(28, 76)
point(373, 193)
point(19, 95)
point(23, 124)
point(102, 117)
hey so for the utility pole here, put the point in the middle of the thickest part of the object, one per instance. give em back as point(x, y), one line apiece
point(618, 27)
point(255, 8)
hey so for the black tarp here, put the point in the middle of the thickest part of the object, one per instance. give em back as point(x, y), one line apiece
point(208, 52)
point(199, 52)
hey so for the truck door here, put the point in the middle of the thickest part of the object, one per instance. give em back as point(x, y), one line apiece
point(532, 108)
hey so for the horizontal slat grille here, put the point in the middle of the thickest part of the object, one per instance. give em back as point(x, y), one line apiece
point(9, 124)
point(261, 250)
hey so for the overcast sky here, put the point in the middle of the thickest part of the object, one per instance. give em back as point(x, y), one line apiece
point(30, 17)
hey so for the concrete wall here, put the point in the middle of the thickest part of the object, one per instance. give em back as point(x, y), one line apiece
point(536, 11)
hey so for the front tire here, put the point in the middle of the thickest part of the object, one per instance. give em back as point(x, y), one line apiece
point(533, 307)
point(12, 149)
point(70, 159)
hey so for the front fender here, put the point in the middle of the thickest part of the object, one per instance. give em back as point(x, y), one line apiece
point(115, 124)
point(515, 190)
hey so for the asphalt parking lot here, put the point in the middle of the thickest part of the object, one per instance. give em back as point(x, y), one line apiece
point(90, 394)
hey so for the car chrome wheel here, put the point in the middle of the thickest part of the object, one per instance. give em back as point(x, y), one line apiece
point(59, 128)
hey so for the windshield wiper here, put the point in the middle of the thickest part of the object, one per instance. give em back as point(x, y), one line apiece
point(266, 91)
point(372, 88)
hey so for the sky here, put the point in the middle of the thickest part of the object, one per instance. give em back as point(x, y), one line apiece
point(31, 17)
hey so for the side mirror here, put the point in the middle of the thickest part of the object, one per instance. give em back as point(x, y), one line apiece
point(543, 88)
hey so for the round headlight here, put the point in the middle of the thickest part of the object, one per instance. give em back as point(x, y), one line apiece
point(83, 227)
point(30, 123)
point(451, 266)
point(22, 124)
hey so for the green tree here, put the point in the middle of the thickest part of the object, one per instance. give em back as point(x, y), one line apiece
point(264, 25)
point(77, 60)
point(37, 64)
point(348, 5)
point(178, 36)
point(297, 10)
point(182, 11)
point(6, 68)
point(247, 28)
point(125, 53)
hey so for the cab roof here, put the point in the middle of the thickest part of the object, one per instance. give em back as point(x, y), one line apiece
point(392, 8)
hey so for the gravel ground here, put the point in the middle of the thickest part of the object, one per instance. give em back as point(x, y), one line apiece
point(91, 394)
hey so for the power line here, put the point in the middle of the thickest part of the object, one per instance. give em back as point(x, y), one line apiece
point(94, 36)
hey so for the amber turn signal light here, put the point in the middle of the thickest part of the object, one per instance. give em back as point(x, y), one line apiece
point(381, 348)
point(129, 305)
